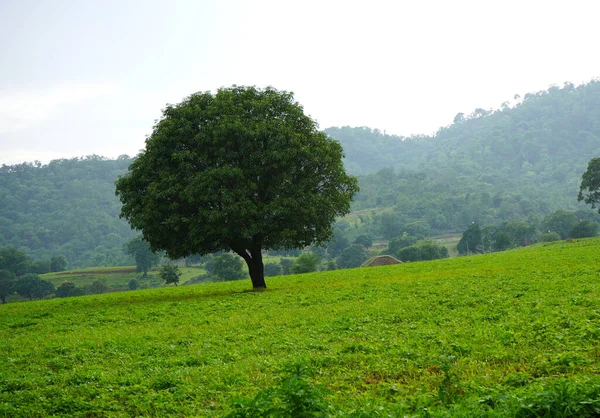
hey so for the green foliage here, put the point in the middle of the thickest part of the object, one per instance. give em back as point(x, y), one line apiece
point(589, 189)
point(31, 286)
point(241, 170)
point(561, 222)
point(397, 243)
point(286, 264)
point(226, 267)
point(293, 397)
point(66, 208)
point(170, 273)
point(365, 240)
point(584, 229)
point(471, 240)
point(423, 250)
point(144, 257)
point(13, 260)
point(7, 281)
point(58, 263)
point(353, 256)
point(68, 289)
point(273, 269)
point(550, 236)
point(97, 287)
point(338, 244)
point(306, 263)
point(133, 284)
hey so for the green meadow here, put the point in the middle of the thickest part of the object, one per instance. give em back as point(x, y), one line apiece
point(514, 334)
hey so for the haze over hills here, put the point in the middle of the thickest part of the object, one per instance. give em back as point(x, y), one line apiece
point(521, 161)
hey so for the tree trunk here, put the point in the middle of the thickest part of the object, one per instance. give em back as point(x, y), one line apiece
point(255, 267)
point(257, 270)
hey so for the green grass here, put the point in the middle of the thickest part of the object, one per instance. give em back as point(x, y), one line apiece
point(506, 334)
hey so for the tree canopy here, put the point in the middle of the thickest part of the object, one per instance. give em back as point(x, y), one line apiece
point(242, 170)
point(589, 190)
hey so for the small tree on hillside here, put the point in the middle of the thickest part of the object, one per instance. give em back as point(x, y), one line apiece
point(306, 263)
point(144, 257)
point(471, 240)
point(242, 170)
point(353, 256)
point(31, 286)
point(170, 274)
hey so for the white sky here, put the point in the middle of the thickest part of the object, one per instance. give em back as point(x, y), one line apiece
point(82, 77)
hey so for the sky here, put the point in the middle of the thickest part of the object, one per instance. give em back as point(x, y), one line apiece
point(91, 77)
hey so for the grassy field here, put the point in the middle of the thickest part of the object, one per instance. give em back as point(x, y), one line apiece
point(506, 334)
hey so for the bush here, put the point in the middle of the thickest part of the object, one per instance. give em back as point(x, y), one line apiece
point(364, 240)
point(68, 289)
point(97, 288)
point(353, 256)
point(272, 269)
point(550, 236)
point(169, 273)
point(423, 250)
point(584, 229)
point(306, 263)
point(134, 284)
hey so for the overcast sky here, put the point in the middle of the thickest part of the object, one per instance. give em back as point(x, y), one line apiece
point(90, 77)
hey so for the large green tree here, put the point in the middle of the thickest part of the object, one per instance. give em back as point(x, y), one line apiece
point(589, 190)
point(242, 170)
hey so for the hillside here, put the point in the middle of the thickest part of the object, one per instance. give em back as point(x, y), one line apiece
point(520, 162)
point(65, 208)
point(505, 334)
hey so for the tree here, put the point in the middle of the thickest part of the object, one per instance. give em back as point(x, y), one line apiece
point(364, 240)
point(144, 257)
point(169, 273)
point(403, 241)
point(241, 170)
point(68, 289)
point(31, 286)
point(561, 222)
point(7, 280)
point(353, 256)
point(286, 265)
point(589, 190)
point(58, 264)
point(306, 263)
point(13, 260)
point(470, 240)
point(272, 269)
point(226, 267)
point(423, 250)
point(98, 287)
point(584, 229)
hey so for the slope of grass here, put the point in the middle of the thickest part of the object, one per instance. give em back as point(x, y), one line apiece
point(506, 334)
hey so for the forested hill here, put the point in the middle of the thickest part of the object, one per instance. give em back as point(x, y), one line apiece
point(488, 166)
point(520, 161)
point(550, 135)
point(65, 208)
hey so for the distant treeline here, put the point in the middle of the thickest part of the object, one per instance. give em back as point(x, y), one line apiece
point(520, 162)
